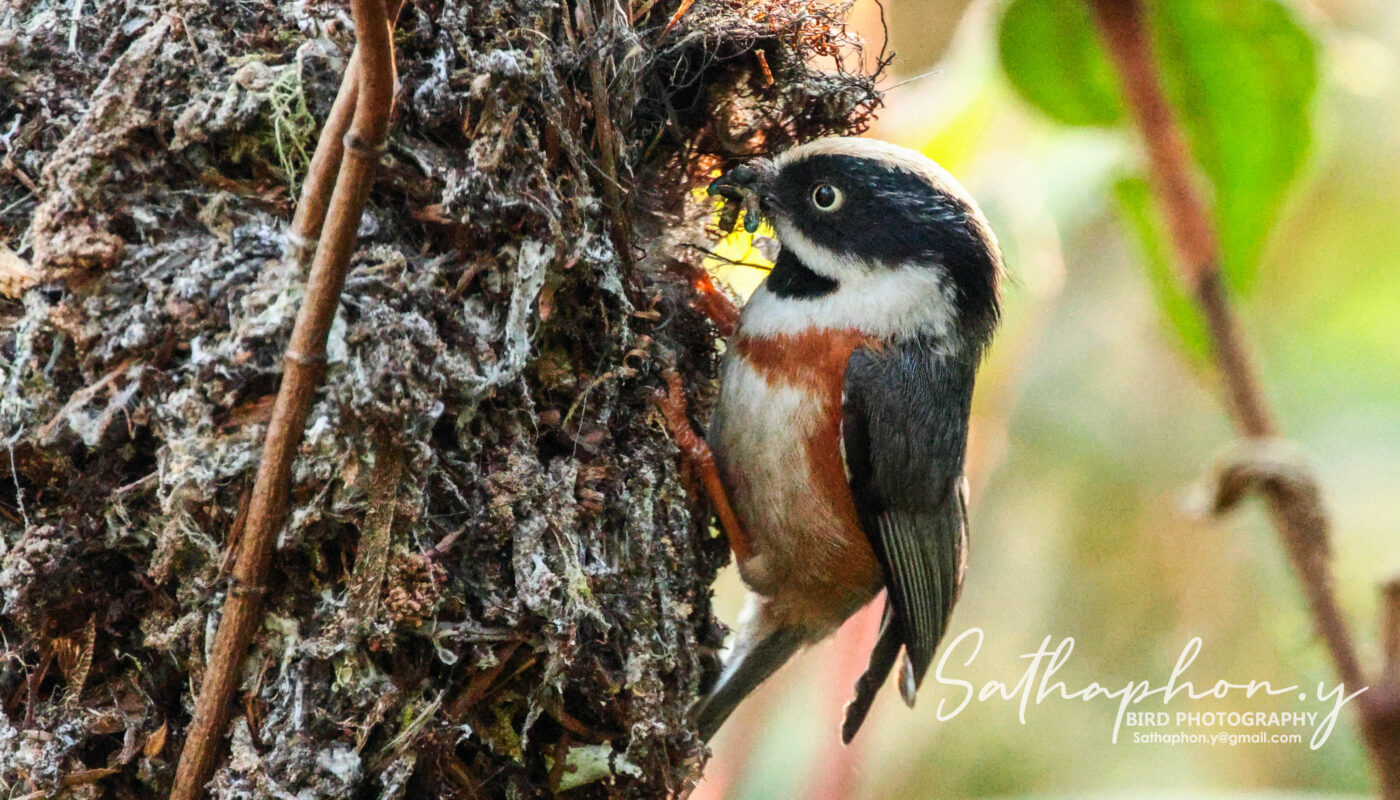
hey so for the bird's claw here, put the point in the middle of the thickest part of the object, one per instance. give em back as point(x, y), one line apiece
point(671, 402)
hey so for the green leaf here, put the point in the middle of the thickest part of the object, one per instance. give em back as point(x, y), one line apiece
point(1180, 313)
point(1050, 51)
point(1242, 76)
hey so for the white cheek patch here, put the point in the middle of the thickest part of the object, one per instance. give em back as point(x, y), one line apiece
point(813, 256)
point(878, 300)
point(881, 302)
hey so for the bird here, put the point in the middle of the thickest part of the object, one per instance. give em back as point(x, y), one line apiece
point(838, 440)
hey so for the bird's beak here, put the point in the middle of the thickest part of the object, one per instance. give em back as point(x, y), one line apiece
point(743, 181)
point(746, 184)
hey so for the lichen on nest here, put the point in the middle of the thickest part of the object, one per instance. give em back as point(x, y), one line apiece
point(493, 581)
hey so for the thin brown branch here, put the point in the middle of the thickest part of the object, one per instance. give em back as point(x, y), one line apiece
point(676, 17)
point(1390, 633)
point(606, 135)
point(372, 557)
point(16, 274)
point(1194, 233)
point(81, 398)
point(1384, 700)
point(1295, 509)
point(325, 162)
point(304, 361)
point(325, 165)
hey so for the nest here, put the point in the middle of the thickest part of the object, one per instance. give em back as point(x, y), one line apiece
point(493, 582)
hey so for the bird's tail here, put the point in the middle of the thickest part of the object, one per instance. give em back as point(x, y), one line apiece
point(757, 654)
point(882, 660)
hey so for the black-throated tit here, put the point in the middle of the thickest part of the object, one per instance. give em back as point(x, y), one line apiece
point(841, 428)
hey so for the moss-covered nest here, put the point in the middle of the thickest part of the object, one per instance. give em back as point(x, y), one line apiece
point(493, 580)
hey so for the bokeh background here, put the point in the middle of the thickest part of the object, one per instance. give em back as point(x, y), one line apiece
point(1092, 422)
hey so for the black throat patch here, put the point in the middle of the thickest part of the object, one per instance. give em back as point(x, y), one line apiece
point(791, 278)
point(895, 217)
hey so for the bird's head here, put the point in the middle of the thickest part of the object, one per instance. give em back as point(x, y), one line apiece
point(875, 237)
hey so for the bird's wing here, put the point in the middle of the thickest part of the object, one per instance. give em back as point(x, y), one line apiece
point(904, 434)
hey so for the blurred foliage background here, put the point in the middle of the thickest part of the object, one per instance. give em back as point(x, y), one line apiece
point(1096, 411)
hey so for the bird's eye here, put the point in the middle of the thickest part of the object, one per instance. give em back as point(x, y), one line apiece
point(826, 197)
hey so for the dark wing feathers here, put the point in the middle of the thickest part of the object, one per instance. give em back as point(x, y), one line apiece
point(882, 660)
point(904, 435)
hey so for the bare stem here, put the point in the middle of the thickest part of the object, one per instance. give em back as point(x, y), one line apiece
point(325, 165)
point(304, 361)
point(1384, 705)
point(1297, 515)
point(1390, 633)
point(325, 162)
point(606, 135)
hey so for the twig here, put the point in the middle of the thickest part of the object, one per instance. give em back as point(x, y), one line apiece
point(480, 683)
point(372, 558)
point(16, 275)
point(136, 485)
point(325, 162)
point(75, 16)
point(1297, 515)
point(80, 398)
point(1384, 699)
point(86, 776)
point(445, 544)
point(235, 533)
point(1390, 633)
point(19, 490)
point(561, 761)
point(763, 65)
point(639, 13)
point(304, 359)
point(676, 17)
point(7, 163)
point(606, 135)
point(325, 165)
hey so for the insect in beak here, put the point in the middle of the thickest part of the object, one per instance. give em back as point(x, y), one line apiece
point(742, 187)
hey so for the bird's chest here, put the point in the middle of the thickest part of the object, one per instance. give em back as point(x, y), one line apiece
point(777, 440)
